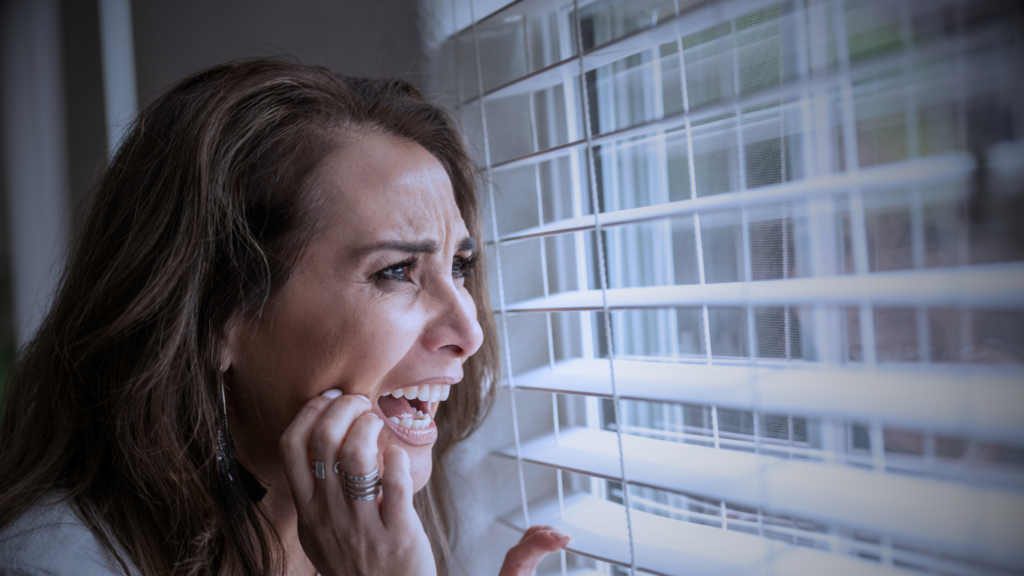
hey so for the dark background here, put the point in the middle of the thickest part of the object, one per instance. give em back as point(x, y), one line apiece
point(173, 39)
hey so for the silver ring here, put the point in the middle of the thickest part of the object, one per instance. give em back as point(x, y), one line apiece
point(363, 488)
point(318, 469)
point(351, 478)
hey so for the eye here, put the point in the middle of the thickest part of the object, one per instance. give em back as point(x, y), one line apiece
point(462, 267)
point(397, 272)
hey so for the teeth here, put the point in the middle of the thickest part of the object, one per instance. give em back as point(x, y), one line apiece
point(426, 393)
point(419, 422)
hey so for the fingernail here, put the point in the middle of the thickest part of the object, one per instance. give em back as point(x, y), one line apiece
point(363, 397)
point(559, 534)
point(372, 414)
point(332, 393)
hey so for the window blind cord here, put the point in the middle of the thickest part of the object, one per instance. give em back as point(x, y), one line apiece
point(762, 469)
point(544, 281)
point(852, 160)
point(692, 177)
point(603, 280)
point(497, 263)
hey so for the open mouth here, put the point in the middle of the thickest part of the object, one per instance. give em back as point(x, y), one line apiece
point(410, 408)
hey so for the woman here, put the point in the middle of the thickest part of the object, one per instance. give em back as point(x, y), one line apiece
point(274, 288)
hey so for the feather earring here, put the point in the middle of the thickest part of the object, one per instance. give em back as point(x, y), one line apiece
point(229, 466)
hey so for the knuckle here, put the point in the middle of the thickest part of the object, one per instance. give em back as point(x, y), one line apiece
point(322, 436)
point(362, 457)
point(286, 442)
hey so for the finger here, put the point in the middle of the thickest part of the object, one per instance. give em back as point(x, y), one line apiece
point(523, 558)
point(327, 436)
point(294, 447)
point(396, 509)
point(358, 456)
point(534, 529)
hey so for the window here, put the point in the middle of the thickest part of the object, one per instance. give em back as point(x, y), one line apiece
point(763, 259)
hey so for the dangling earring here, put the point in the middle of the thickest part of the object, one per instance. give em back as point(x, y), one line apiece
point(225, 444)
point(226, 451)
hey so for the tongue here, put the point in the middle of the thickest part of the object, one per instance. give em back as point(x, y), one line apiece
point(397, 407)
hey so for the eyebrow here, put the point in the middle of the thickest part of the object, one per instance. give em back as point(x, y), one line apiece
point(426, 247)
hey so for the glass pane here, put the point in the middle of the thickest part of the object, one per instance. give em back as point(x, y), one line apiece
point(515, 199)
point(606, 20)
point(503, 52)
point(510, 131)
point(641, 88)
point(522, 270)
point(716, 156)
point(722, 242)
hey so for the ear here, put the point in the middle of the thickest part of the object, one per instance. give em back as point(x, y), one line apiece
point(229, 348)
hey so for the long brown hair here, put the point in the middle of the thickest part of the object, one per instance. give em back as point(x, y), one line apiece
point(200, 218)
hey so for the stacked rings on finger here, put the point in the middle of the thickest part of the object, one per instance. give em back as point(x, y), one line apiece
point(359, 487)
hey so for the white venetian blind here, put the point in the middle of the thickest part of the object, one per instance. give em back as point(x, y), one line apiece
point(764, 260)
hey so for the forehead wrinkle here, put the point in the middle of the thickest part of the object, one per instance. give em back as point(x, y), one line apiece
point(382, 209)
point(424, 247)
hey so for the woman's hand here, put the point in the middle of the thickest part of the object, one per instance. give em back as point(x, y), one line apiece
point(340, 536)
point(536, 543)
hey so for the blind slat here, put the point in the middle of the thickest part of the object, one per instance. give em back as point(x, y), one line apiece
point(671, 547)
point(984, 403)
point(923, 510)
point(624, 46)
point(788, 92)
point(988, 286)
point(913, 172)
point(744, 140)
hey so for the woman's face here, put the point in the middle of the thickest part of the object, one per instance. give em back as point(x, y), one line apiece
point(377, 306)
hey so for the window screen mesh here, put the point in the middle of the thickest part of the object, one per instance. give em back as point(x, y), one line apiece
point(765, 260)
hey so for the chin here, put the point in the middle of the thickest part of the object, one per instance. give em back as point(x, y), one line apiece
point(420, 468)
point(420, 458)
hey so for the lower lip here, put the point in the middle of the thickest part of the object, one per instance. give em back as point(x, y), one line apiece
point(421, 437)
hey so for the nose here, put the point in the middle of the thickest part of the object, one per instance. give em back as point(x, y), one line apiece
point(453, 326)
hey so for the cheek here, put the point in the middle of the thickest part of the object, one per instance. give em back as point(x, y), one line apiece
point(374, 341)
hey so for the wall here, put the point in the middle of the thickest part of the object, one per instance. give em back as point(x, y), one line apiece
point(173, 39)
point(54, 119)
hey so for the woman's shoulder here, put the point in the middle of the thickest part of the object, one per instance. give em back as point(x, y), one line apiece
point(52, 539)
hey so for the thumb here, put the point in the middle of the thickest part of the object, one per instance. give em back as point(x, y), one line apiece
point(396, 507)
point(523, 558)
